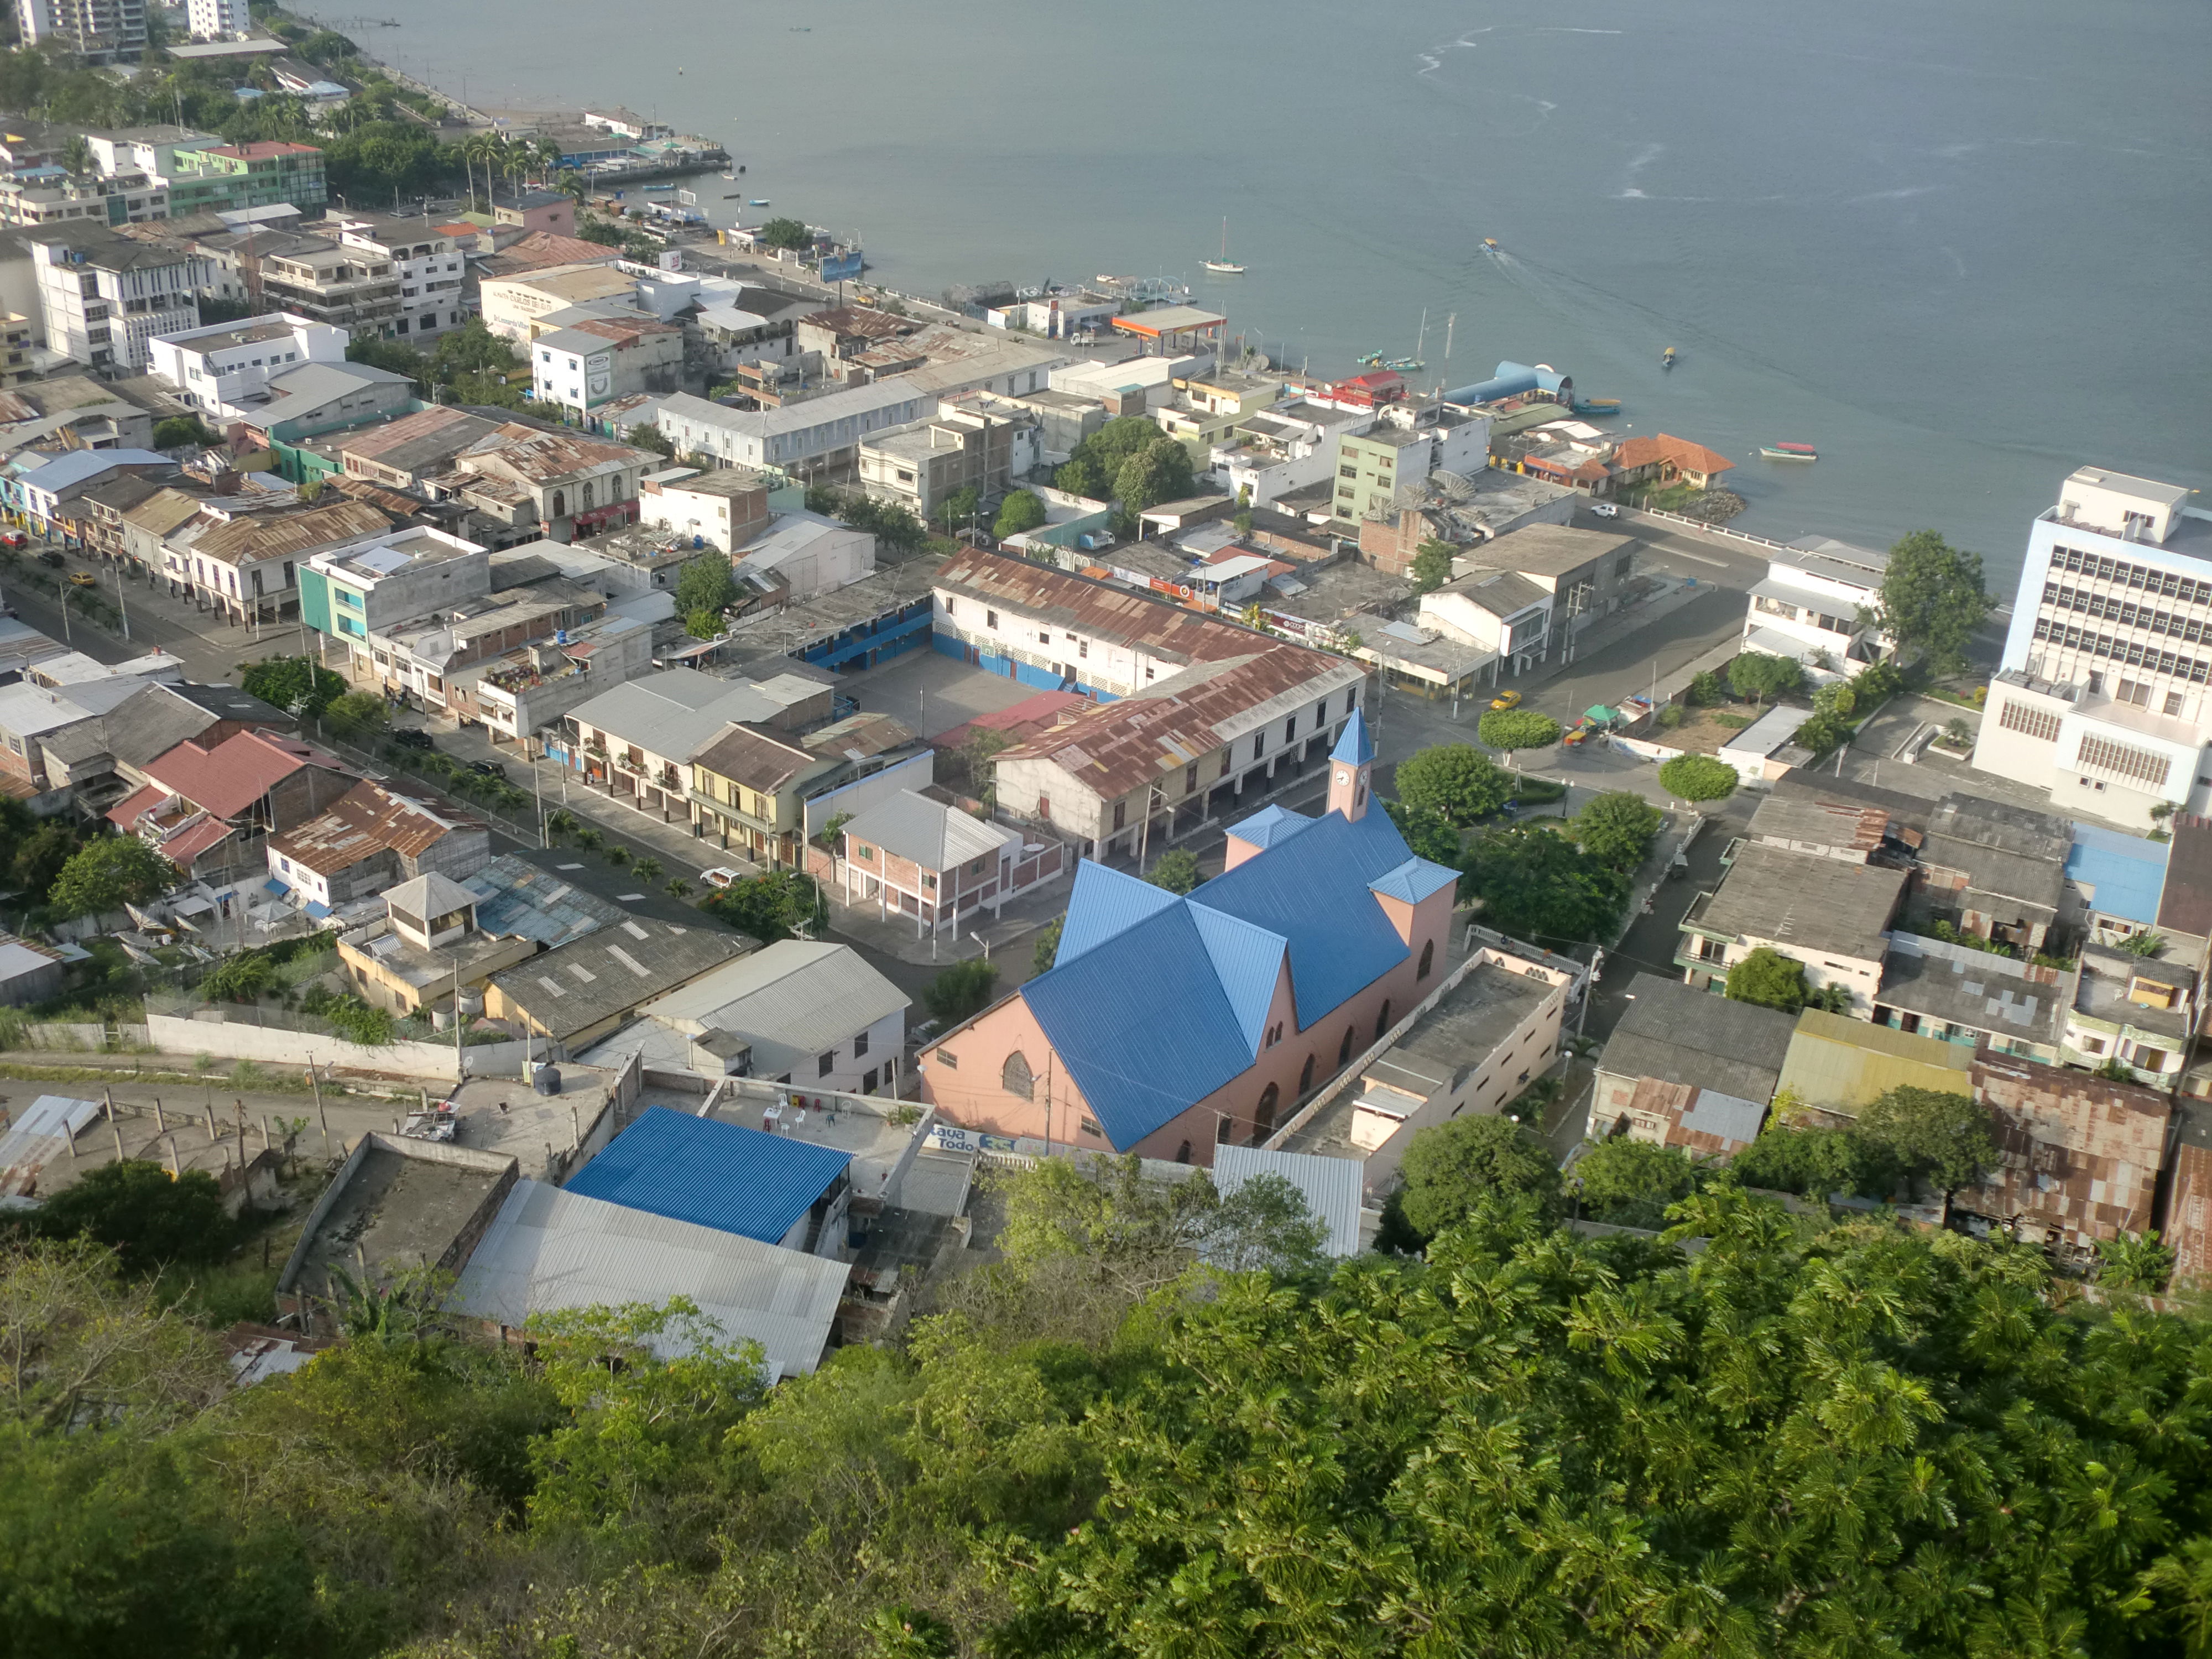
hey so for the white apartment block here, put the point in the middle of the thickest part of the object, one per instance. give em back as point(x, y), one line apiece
point(1810, 608)
point(104, 297)
point(2104, 696)
point(817, 434)
point(223, 366)
point(430, 267)
point(95, 28)
point(217, 20)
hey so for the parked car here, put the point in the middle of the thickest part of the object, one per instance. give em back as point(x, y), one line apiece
point(488, 768)
point(1506, 700)
point(83, 578)
point(13, 540)
point(408, 738)
point(51, 556)
point(722, 875)
point(1606, 510)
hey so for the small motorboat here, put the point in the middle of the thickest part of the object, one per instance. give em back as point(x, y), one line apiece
point(1490, 246)
point(757, 201)
point(1789, 452)
point(1405, 365)
point(1597, 405)
point(1371, 360)
point(1667, 358)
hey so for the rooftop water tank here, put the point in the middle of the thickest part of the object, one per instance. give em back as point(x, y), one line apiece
point(698, 542)
point(546, 1079)
point(560, 636)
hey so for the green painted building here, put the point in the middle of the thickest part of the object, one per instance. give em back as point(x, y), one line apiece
point(221, 177)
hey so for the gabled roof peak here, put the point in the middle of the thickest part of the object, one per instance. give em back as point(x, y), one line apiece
point(1355, 747)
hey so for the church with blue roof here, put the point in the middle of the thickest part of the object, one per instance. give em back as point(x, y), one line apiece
point(1169, 1025)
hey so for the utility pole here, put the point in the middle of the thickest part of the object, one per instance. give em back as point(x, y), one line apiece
point(123, 609)
point(316, 1083)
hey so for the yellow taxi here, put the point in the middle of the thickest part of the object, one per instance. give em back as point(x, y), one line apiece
point(1506, 700)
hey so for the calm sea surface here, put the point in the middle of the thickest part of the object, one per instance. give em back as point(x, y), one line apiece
point(1961, 245)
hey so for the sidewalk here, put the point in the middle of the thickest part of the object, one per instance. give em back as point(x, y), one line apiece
point(1007, 939)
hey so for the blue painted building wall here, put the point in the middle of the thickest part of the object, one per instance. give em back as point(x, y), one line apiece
point(872, 641)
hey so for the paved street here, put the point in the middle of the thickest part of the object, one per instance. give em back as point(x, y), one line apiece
point(211, 648)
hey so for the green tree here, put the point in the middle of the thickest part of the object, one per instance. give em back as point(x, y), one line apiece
point(643, 436)
point(1769, 979)
point(42, 848)
point(1759, 677)
point(1432, 565)
point(1617, 829)
point(705, 584)
point(359, 715)
point(1630, 1183)
point(1932, 598)
point(183, 431)
point(1451, 1168)
point(294, 684)
point(1536, 885)
point(957, 510)
point(771, 907)
point(963, 989)
point(1048, 945)
point(647, 870)
point(1697, 778)
point(137, 1209)
point(791, 235)
point(1814, 1162)
point(703, 624)
point(1517, 728)
point(1177, 871)
point(1943, 1139)
point(1456, 780)
point(1159, 472)
point(1081, 476)
point(1020, 511)
point(393, 357)
point(1428, 833)
point(2134, 1262)
point(108, 873)
point(240, 978)
point(1705, 690)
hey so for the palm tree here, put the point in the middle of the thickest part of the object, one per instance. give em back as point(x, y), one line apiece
point(647, 870)
point(677, 887)
point(76, 155)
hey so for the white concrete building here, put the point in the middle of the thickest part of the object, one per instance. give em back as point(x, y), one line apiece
point(104, 297)
point(429, 264)
point(99, 29)
point(808, 552)
point(218, 19)
point(1812, 608)
point(224, 366)
point(821, 433)
point(2103, 696)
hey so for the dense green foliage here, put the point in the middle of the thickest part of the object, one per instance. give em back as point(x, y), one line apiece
point(1175, 870)
point(1770, 979)
point(1932, 598)
point(771, 907)
point(1429, 833)
point(1697, 778)
point(1759, 677)
point(294, 684)
point(1535, 884)
point(892, 523)
point(963, 989)
point(108, 873)
point(1432, 565)
point(1046, 949)
point(1453, 1168)
point(704, 589)
point(33, 850)
point(1617, 829)
point(1022, 510)
point(1630, 1183)
point(138, 1210)
point(1456, 780)
point(787, 233)
point(1517, 728)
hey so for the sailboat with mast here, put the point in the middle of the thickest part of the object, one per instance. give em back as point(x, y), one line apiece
point(1224, 266)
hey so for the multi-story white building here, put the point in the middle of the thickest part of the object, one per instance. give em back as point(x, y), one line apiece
point(429, 264)
point(99, 29)
point(217, 20)
point(228, 364)
point(1815, 608)
point(104, 297)
point(2103, 697)
point(822, 433)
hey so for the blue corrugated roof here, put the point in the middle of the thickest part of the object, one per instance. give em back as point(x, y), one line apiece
point(717, 1175)
point(1103, 903)
point(1270, 825)
point(1355, 745)
point(1312, 889)
point(1413, 880)
point(1142, 1024)
point(2125, 872)
point(60, 471)
point(1161, 999)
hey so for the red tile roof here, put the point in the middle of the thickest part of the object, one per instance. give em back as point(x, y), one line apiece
point(1687, 456)
point(237, 772)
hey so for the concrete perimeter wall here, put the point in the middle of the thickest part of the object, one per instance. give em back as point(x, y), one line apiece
point(260, 1042)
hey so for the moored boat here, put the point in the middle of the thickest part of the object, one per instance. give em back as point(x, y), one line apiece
point(1789, 452)
point(757, 201)
point(1667, 358)
point(1597, 405)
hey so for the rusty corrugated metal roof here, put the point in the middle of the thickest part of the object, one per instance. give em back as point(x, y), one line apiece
point(2076, 1154)
point(363, 822)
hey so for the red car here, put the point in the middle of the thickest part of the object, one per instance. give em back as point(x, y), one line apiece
point(14, 541)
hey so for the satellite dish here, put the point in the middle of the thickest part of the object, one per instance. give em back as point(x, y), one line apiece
point(1449, 485)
